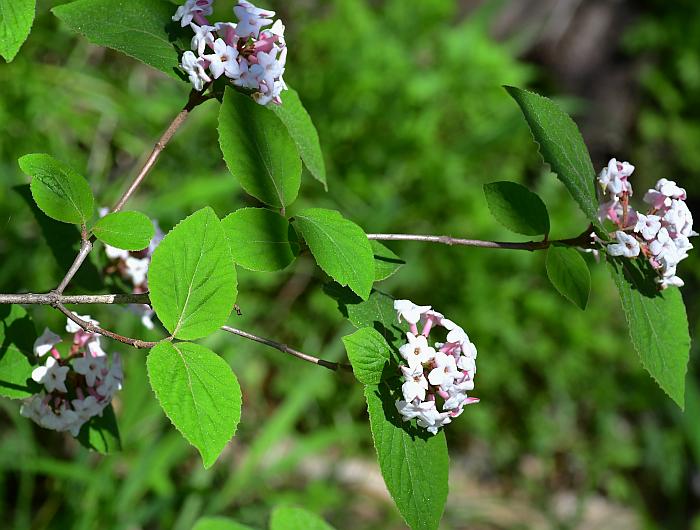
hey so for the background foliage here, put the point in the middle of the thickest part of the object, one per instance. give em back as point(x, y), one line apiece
point(413, 122)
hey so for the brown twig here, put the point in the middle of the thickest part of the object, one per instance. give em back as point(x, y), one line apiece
point(93, 328)
point(583, 240)
point(55, 298)
point(286, 349)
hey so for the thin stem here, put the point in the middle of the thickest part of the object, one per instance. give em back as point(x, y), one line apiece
point(286, 349)
point(93, 328)
point(583, 240)
point(55, 298)
point(196, 98)
point(85, 249)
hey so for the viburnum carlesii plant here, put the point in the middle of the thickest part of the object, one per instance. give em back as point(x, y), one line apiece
point(76, 387)
point(660, 235)
point(132, 266)
point(436, 379)
point(252, 58)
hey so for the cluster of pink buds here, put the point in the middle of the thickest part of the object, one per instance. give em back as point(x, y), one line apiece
point(445, 372)
point(76, 387)
point(133, 267)
point(252, 58)
point(661, 235)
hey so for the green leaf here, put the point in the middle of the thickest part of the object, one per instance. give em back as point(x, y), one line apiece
point(258, 150)
point(569, 274)
point(101, 433)
point(562, 147)
point(259, 239)
point(302, 130)
point(289, 518)
point(369, 355)
point(340, 247)
point(414, 463)
point(198, 392)
point(386, 263)
point(139, 28)
point(61, 192)
point(17, 336)
point(517, 208)
point(658, 326)
point(192, 277)
point(125, 230)
point(16, 18)
point(218, 523)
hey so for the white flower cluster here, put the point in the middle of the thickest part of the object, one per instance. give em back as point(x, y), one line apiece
point(661, 235)
point(133, 267)
point(253, 58)
point(77, 387)
point(445, 371)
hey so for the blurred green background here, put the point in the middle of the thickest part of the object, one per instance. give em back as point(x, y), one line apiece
point(570, 433)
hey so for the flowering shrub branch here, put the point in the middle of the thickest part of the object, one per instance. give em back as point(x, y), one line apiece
point(187, 279)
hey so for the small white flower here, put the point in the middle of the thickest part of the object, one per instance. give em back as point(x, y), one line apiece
point(193, 66)
point(410, 312)
point(186, 12)
point(410, 410)
point(45, 343)
point(416, 351)
point(137, 269)
point(432, 420)
point(648, 226)
point(251, 19)
point(664, 248)
point(455, 335)
point(468, 364)
point(87, 408)
point(614, 177)
point(670, 189)
point(445, 371)
point(626, 246)
point(415, 385)
point(202, 38)
point(223, 60)
point(270, 66)
point(52, 375)
point(670, 281)
point(90, 367)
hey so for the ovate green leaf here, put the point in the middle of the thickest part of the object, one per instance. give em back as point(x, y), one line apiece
point(61, 192)
point(138, 28)
point(340, 247)
point(259, 239)
point(369, 355)
point(17, 336)
point(569, 274)
point(658, 327)
point(302, 130)
point(258, 150)
point(16, 17)
point(290, 518)
point(125, 230)
point(562, 147)
point(414, 463)
point(198, 392)
point(192, 277)
point(517, 208)
point(386, 263)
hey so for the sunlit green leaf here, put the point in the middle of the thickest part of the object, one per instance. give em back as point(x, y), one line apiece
point(569, 274)
point(16, 18)
point(17, 336)
point(290, 518)
point(192, 277)
point(61, 192)
point(258, 150)
point(369, 355)
point(517, 208)
point(198, 392)
point(125, 230)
